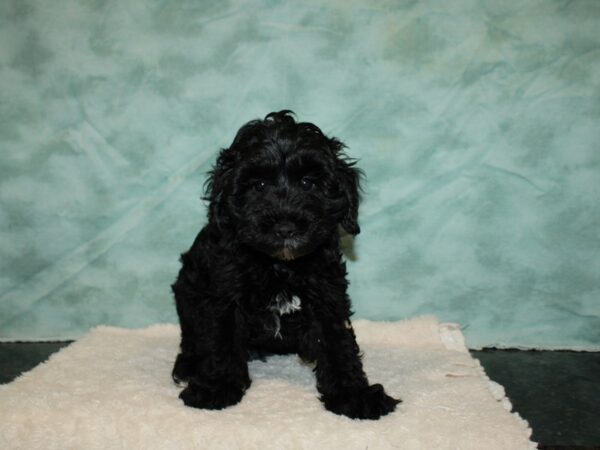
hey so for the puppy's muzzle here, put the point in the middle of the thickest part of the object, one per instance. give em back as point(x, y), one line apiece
point(285, 254)
point(288, 234)
point(286, 230)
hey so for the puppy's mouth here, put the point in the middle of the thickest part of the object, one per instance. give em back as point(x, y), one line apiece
point(289, 251)
point(285, 254)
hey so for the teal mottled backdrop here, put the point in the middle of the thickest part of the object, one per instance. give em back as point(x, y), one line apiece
point(477, 124)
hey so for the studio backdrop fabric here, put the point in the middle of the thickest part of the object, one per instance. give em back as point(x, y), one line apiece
point(476, 123)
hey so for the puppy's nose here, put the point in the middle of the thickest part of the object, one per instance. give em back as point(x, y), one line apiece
point(285, 230)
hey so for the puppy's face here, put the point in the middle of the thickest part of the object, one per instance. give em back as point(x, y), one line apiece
point(284, 187)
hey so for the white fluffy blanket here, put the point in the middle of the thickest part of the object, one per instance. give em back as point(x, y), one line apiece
point(112, 390)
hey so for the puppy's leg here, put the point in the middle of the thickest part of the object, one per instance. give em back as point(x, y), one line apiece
point(212, 359)
point(341, 380)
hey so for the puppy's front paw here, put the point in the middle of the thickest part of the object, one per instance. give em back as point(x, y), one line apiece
point(369, 402)
point(214, 396)
point(183, 369)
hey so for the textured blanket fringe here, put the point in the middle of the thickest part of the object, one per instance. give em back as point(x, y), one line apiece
point(453, 339)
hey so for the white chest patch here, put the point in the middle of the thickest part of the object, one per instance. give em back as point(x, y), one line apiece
point(283, 304)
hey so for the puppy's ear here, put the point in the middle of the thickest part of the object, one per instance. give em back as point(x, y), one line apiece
point(349, 178)
point(217, 186)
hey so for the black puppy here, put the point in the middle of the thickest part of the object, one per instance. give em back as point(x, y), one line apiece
point(265, 275)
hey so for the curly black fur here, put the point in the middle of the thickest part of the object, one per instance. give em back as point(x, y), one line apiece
point(266, 276)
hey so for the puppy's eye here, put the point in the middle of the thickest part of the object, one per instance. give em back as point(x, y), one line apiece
point(307, 184)
point(260, 185)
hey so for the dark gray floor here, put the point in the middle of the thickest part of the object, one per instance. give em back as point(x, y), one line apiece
point(19, 357)
point(558, 393)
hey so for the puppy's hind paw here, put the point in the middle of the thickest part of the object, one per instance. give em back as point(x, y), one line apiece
point(369, 402)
